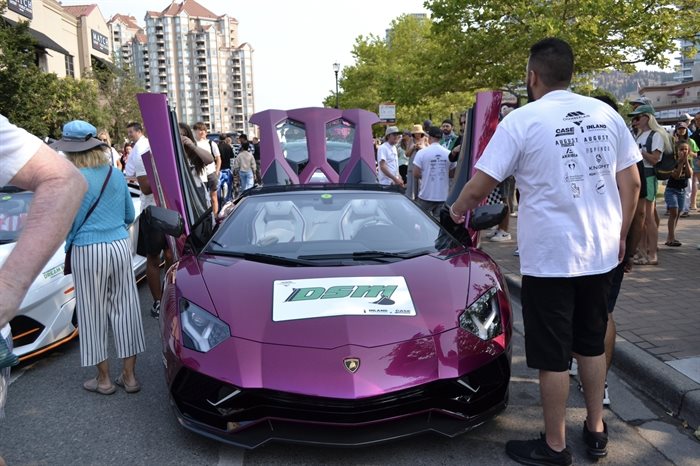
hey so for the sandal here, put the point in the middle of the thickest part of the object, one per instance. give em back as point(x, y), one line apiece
point(675, 243)
point(127, 388)
point(640, 261)
point(93, 386)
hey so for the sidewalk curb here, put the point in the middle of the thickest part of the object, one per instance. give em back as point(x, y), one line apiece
point(674, 391)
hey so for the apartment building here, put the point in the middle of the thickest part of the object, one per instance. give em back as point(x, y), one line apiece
point(185, 51)
point(123, 29)
point(689, 67)
point(194, 57)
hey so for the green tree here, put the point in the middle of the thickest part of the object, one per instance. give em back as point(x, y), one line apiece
point(40, 102)
point(117, 94)
point(399, 70)
point(485, 42)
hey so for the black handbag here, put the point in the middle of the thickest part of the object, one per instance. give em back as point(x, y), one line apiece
point(67, 269)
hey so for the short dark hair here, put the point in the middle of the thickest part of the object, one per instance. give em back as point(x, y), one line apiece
point(243, 136)
point(607, 100)
point(136, 125)
point(553, 60)
point(200, 125)
point(448, 121)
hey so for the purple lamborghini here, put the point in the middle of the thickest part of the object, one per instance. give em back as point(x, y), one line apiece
point(322, 307)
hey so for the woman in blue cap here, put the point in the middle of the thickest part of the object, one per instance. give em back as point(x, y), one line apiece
point(101, 262)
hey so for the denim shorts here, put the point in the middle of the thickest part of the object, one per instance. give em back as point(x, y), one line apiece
point(675, 198)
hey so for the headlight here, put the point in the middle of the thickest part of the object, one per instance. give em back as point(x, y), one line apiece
point(202, 331)
point(483, 317)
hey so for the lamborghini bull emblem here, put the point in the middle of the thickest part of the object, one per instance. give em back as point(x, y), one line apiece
point(351, 364)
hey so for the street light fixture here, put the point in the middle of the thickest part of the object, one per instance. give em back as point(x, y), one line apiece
point(336, 68)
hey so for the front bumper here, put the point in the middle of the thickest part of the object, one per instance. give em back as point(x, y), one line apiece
point(251, 417)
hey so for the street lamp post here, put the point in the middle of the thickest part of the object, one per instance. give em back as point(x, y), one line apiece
point(336, 68)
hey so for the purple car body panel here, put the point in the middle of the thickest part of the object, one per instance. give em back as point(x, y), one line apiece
point(304, 360)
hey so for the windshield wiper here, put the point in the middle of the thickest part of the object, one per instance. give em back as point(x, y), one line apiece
point(368, 255)
point(265, 258)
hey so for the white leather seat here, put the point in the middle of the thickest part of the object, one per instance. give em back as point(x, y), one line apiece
point(359, 213)
point(278, 222)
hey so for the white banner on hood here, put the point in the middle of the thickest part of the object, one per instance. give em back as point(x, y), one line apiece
point(341, 296)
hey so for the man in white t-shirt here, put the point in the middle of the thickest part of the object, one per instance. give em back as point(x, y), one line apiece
point(388, 158)
point(574, 162)
point(210, 177)
point(28, 163)
point(151, 242)
point(433, 170)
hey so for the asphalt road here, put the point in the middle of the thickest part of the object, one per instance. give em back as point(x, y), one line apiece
point(51, 420)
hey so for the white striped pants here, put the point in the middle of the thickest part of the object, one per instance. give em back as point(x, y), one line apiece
point(105, 290)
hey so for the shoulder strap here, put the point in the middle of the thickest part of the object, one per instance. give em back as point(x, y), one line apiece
point(650, 139)
point(104, 185)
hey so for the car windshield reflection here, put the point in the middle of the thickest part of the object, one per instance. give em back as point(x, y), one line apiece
point(330, 225)
point(14, 207)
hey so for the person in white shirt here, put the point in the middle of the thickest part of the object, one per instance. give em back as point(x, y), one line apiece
point(388, 158)
point(151, 242)
point(28, 163)
point(433, 170)
point(644, 122)
point(112, 154)
point(574, 162)
point(211, 172)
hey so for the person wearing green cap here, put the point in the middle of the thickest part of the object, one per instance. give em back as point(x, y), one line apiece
point(652, 141)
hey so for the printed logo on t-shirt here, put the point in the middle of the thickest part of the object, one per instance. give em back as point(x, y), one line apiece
point(564, 132)
point(569, 154)
point(566, 142)
point(576, 118)
point(575, 190)
point(600, 186)
point(596, 127)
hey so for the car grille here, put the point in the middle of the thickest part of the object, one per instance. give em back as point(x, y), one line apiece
point(195, 395)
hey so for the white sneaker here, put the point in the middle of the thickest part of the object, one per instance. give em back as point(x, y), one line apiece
point(606, 396)
point(573, 368)
point(501, 235)
point(516, 253)
point(490, 233)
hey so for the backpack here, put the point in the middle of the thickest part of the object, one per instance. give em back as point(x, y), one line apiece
point(666, 165)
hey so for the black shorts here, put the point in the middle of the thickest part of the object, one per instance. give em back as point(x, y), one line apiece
point(212, 182)
point(150, 241)
point(564, 315)
point(618, 274)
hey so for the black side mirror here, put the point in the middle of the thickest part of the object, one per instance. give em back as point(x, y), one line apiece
point(167, 221)
point(487, 216)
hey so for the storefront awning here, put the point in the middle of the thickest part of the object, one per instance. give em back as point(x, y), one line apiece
point(43, 40)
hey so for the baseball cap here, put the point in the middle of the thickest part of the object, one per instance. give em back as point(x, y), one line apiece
point(435, 132)
point(642, 109)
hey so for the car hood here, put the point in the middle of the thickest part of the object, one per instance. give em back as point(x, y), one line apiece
point(242, 294)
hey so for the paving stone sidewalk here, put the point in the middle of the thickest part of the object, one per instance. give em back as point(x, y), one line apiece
point(658, 310)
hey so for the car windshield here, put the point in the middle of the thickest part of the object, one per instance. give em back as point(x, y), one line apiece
point(14, 207)
point(333, 226)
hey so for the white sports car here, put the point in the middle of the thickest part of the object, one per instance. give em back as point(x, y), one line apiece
point(47, 317)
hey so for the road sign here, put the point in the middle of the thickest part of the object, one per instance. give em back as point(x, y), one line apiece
point(387, 112)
